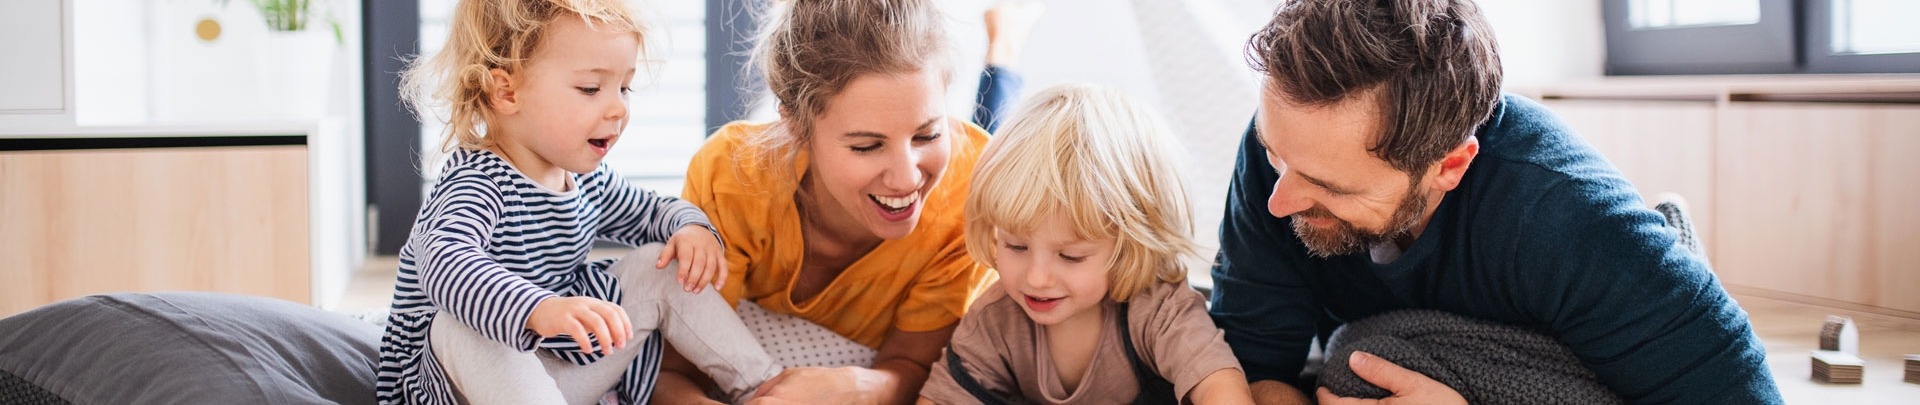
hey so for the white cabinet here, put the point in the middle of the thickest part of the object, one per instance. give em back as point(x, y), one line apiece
point(34, 45)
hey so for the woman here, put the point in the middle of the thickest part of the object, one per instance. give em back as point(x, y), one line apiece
point(846, 212)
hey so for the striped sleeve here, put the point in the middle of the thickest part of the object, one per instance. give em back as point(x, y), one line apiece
point(459, 277)
point(637, 216)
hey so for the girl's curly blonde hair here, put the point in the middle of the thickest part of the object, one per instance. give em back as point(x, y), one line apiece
point(490, 34)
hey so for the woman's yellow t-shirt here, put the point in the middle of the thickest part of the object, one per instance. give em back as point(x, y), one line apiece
point(918, 283)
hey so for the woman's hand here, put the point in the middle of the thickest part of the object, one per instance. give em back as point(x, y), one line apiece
point(579, 316)
point(816, 385)
point(701, 258)
point(899, 370)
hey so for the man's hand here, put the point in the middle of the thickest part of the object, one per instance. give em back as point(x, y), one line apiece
point(1406, 386)
point(701, 258)
point(579, 316)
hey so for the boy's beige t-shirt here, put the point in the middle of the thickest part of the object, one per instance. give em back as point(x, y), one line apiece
point(1008, 354)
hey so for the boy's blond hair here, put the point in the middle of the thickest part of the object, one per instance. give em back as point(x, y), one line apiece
point(1103, 162)
point(488, 34)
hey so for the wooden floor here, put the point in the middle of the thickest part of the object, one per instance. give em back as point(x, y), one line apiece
point(1789, 330)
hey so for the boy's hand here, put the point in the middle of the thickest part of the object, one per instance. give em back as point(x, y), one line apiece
point(580, 316)
point(701, 260)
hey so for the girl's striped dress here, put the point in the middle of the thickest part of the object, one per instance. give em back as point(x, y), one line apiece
point(490, 243)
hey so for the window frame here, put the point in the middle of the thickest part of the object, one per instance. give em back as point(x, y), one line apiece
point(1768, 46)
point(1820, 58)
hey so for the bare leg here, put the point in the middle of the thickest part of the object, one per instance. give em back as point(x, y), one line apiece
point(1009, 22)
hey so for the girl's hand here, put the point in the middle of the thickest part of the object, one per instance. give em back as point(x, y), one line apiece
point(580, 316)
point(701, 259)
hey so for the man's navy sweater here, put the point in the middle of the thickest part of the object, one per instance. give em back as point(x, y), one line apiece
point(1541, 233)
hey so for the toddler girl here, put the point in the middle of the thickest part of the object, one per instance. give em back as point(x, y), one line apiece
point(495, 300)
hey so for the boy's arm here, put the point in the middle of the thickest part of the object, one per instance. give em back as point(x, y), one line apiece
point(459, 277)
point(1225, 386)
point(1271, 392)
point(1182, 345)
point(979, 357)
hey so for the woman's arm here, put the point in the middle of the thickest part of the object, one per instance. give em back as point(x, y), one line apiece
point(679, 382)
point(909, 356)
point(899, 369)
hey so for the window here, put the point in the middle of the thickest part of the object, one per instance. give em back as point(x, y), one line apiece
point(1862, 36)
point(1657, 14)
point(1761, 36)
point(1867, 27)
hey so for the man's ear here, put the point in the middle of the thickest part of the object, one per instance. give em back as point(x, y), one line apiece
point(1447, 173)
point(500, 92)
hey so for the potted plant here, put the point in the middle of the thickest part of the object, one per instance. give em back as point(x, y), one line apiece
point(295, 62)
point(296, 15)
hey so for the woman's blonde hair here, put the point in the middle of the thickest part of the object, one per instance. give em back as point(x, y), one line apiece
point(489, 34)
point(810, 49)
point(1105, 163)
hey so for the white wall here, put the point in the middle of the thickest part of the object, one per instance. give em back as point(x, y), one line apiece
point(1185, 59)
point(1181, 59)
point(1546, 42)
point(110, 62)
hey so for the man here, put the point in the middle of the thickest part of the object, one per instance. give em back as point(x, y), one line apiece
point(1386, 171)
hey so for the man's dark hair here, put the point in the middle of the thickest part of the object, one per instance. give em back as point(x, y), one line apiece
point(1434, 63)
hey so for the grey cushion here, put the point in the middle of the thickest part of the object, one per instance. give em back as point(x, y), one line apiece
point(191, 348)
point(17, 391)
point(1486, 362)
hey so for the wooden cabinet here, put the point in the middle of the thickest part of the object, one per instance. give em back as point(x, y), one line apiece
point(1660, 146)
point(1819, 200)
point(1804, 188)
point(81, 222)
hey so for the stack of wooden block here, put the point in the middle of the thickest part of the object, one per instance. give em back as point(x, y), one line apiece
point(1838, 360)
point(1913, 368)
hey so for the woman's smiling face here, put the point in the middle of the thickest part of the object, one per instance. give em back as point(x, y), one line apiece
point(878, 149)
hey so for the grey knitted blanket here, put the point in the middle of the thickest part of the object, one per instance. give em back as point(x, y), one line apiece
point(17, 391)
point(1488, 363)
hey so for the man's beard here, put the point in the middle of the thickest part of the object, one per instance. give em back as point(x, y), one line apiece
point(1343, 238)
